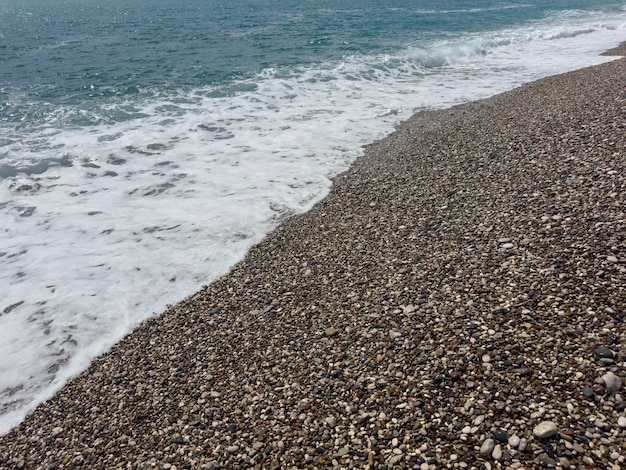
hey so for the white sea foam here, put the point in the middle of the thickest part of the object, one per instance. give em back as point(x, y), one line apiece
point(133, 214)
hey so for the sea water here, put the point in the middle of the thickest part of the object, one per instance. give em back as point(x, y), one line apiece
point(146, 145)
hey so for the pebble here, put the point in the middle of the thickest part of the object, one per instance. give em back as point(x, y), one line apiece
point(604, 353)
point(523, 443)
point(487, 447)
point(501, 436)
point(621, 421)
point(331, 331)
point(514, 441)
point(497, 452)
point(612, 382)
point(545, 429)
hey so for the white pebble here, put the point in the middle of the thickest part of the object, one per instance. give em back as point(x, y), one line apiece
point(621, 422)
point(497, 452)
point(514, 441)
point(545, 429)
point(523, 443)
point(612, 382)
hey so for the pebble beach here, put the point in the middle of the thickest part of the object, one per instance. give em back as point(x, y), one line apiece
point(457, 301)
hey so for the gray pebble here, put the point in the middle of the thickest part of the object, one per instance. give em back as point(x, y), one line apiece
point(487, 448)
point(545, 429)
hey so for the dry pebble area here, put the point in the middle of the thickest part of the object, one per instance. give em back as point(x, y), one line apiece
point(457, 301)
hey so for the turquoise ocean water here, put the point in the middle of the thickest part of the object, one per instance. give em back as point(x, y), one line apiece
point(145, 145)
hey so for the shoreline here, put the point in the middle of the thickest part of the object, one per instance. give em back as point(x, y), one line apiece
point(455, 284)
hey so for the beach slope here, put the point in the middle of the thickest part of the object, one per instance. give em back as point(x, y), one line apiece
point(463, 282)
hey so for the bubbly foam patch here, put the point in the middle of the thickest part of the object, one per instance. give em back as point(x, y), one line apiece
point(109, 214)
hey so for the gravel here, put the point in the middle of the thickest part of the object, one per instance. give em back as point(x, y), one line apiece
point(448, 296)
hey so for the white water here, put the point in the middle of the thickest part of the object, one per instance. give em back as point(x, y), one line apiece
point(153, 208)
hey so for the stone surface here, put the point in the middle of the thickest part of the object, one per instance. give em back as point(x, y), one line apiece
point(612, 383)
point(487, 447)
point(500, 435)
point(545, 429)
point(514, 441)
point(604, 353)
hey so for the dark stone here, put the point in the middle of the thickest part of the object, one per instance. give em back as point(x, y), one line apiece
point(604, 353)
point(619, 407)
point(500, 436)
point(268, 449)
point(588, 393)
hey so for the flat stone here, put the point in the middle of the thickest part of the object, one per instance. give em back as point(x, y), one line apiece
point(545, 429)
point(487, 448)
point(56, 431)
point(612, 383)
point(343, 451)
point(331, 331)
point(604, 353)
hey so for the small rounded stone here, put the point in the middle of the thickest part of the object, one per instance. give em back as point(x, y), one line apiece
point(514, 441)
point(612, 383)
point(523, 443)
point(605, 353)
point(487, 448)
point(501, 436)
point(621, 421)
point(545, 429)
